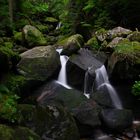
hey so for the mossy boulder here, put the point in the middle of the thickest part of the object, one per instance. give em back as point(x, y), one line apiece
point(93, 43)
point(124, 63)
point(135, 36)
point(17, 133)
point(33, 37)
point(52, 122)
point(39, 63)
point(71, 44)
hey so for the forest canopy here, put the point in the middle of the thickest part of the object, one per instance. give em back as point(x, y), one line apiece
point(92, 13)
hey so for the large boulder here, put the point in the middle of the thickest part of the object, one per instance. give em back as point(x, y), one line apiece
point(17, 133)
point(116, 119)
point(39, 63)
point(124, 63)
point(77, 66)
point(50, 122)
point(33, 37)
point(71, 44)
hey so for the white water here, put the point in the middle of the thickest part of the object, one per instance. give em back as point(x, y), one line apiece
point(86, 91)
point(102, 81)
point(62, 77)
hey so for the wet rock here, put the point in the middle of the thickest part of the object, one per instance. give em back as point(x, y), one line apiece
point(116, 119)
point(39, 64)
point(53, 92)
point(103, 99)
point(77, 66)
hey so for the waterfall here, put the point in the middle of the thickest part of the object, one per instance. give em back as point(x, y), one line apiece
point(102, 82)
point(86, 81)
point(62, 77)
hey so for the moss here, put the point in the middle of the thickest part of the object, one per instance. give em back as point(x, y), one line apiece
point(17, 133)
point(18, 37)
point(51, 19)
point(93, 42)
point(74, 38)
point(129, 50)
point(43, 28)
point(6, 133)
point(135, 36)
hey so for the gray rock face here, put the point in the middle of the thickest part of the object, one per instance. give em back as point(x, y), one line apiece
point(33, 37)
point(116, 119)
point(40, 63)
point(77, 66)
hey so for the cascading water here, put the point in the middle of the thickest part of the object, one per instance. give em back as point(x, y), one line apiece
point(102, 82)
point(62, 77)
point(86, 88)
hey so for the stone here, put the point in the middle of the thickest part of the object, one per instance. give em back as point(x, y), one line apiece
point(71, 44)
point(39, 63)
point(33, 37)
point(124, 63)
point(77, 66)
point(118, 32)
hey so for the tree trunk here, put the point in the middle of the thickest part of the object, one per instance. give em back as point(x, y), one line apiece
point(11, 10)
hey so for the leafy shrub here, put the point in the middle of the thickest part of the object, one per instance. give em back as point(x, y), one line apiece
point(136, 88)
point(8, 104)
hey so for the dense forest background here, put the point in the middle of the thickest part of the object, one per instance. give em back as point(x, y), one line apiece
point(74, 15)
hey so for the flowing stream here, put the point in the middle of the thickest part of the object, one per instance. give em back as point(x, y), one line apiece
point(62, 77)
point(102, 82)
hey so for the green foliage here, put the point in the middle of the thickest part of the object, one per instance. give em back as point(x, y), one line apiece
point(29, 7)
point(8, 104)
point(14, 82)
point(136, 88)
